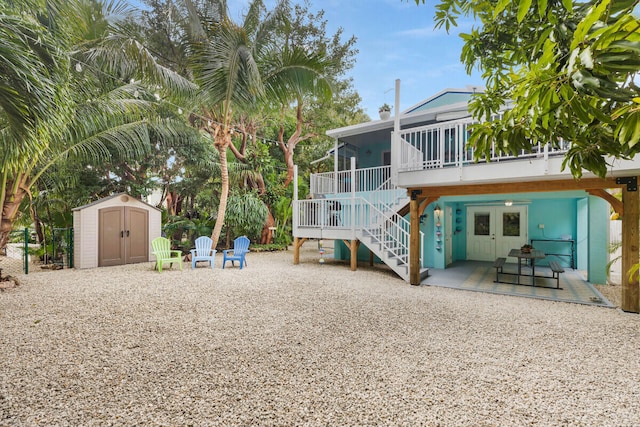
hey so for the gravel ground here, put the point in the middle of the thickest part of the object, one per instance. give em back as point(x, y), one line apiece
point(278, 344)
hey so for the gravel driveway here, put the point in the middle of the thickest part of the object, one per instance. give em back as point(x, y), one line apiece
point(281, 345)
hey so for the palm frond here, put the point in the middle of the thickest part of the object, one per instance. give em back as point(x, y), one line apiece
point(122, 55)
point(227, 70)
point(292, 73)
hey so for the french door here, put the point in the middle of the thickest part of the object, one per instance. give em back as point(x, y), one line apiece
point(494, 230)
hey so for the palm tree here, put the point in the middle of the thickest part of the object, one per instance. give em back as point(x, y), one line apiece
point(238, 66)
point(225, 66)
point(76, 104)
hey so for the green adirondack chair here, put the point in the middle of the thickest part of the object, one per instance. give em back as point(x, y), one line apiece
point(164, 254)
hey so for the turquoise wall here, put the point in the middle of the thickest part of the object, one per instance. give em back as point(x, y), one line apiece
point(584, 219)
point(373, 159)
point(598, 240)
point(559, 219)
point(582, 234)
point(557, 216)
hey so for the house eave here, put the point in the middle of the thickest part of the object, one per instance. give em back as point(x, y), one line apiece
point(406, 119)
point(508, 172)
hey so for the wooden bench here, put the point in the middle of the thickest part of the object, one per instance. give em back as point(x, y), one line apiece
point(556, 269)
point(498, 264)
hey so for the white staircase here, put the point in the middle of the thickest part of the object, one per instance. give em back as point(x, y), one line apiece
point(387, 236)
point(370, 208)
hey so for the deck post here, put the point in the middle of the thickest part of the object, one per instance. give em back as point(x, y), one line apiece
point(353, 197)
point(630, 243)
point(414, 241)
point(353, 246)
point(297, 244)
point(296, 247)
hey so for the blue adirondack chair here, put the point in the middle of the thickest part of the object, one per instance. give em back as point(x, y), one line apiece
point(240, 249)
point(203, 252)
point(164, 254)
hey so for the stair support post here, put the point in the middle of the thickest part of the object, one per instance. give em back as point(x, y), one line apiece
point(414, 241)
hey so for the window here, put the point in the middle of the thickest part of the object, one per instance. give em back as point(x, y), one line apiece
point(481, 224)
point(386, 158)
point(511, 224)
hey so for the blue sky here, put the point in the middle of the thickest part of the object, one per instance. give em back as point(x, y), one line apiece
point(396, 40)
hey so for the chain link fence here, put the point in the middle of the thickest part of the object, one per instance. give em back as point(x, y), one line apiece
point(14, 256)
point(23, 255)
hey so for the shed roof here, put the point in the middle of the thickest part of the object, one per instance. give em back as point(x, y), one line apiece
point(104, 199)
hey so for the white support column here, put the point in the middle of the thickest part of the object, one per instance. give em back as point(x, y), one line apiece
point(461, 132)
point(395, 143)
point(335, 166)
point(353, 196)
point(296, 205)
point(546, 157)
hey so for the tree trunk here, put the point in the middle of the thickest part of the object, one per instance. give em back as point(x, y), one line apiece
point(10, 211)
point(224, 193)
point(174, 203)
point(267, 234)
point(292, 142)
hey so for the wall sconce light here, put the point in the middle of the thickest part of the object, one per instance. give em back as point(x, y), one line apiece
point(508, 202)
point(437, 212)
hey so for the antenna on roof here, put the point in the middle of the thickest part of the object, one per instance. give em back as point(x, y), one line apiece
point(385, 94)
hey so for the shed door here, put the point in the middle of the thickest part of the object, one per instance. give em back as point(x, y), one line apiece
point(110, 236)
point(123, 236)
point(136, 235)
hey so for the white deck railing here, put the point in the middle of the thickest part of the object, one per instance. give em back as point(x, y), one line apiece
point(392, 232)
point(445, 145)
point(367, 179)
point(359, 215)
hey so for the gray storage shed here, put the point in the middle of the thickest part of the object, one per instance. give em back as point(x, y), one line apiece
point(115, 230)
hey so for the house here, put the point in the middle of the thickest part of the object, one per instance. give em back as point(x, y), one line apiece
point(408, 190)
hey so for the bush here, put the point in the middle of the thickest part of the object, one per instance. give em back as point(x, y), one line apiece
point(272, 247)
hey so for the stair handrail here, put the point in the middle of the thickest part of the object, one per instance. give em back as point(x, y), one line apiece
point(398, 224)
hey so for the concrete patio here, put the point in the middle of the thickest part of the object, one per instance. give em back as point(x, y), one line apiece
point(480, 277)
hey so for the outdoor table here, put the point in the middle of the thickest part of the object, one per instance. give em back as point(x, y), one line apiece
point(531, 257)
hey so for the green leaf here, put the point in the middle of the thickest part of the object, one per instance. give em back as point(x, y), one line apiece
point(597, 112)
point(618, 57)
point(634, 129)
point(568, 4)
point(542, 8)
point(626, 45)
point(500, 7)
point(523, 8)
point(585, 25)
point(580, 111)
